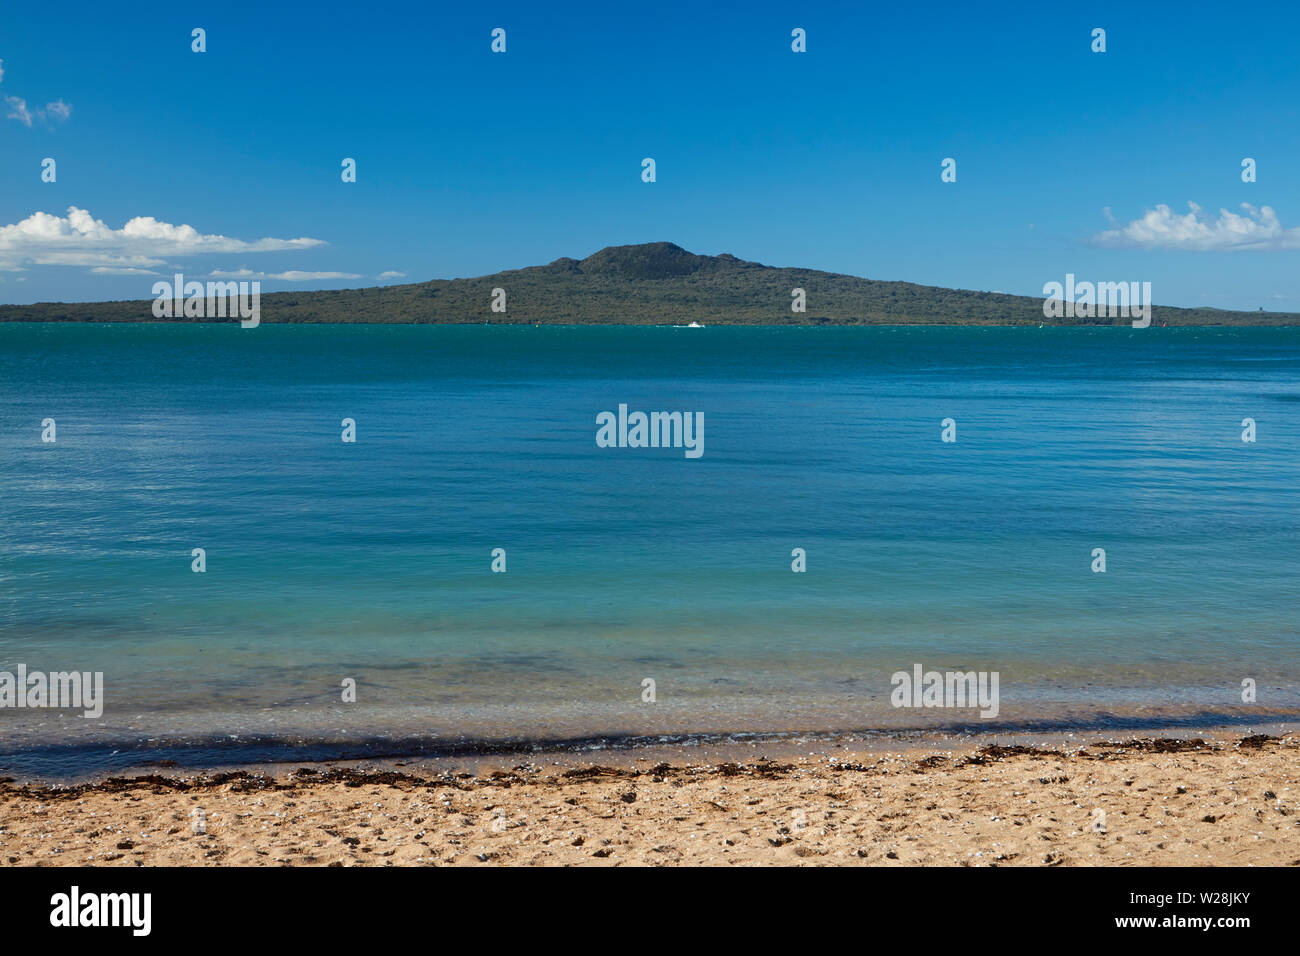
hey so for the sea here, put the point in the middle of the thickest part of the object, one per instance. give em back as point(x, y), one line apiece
point(475, 573)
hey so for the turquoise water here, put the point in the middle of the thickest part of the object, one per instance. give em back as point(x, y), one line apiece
point(371, 560)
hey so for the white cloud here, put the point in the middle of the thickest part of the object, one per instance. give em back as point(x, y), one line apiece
point(391, 275)
point(78, 239)
point(18, 110)
point(312, 276)
point(58, 110)
point(122, 271)
point(290, 276)
point(1161, 228)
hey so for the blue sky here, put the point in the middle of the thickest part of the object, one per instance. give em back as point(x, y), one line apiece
point(470, 162)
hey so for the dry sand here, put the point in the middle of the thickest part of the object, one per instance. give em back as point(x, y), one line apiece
point(1165, 802)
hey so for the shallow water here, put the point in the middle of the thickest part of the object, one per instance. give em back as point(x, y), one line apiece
point(371, 560)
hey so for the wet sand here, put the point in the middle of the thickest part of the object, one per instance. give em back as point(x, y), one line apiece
point(1218, 801)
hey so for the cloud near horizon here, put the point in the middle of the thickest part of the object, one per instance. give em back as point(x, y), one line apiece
point(78, 239)
point(1161, 228)
point(292, 275)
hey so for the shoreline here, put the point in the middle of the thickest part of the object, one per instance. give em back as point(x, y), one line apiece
point(1208, 799)
point(255, 753)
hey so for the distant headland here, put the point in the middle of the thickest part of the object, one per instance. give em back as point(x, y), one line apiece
point(657, 283)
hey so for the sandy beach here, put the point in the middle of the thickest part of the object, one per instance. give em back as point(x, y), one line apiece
point(1230, 800)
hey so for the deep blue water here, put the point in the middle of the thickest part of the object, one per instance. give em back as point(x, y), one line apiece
point(371, 560)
